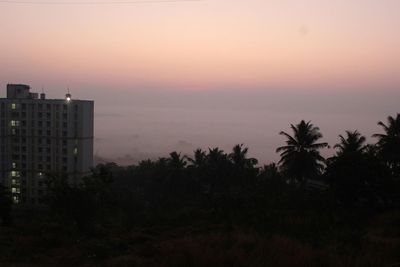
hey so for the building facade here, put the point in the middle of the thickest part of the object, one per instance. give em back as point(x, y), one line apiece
point(40, 137)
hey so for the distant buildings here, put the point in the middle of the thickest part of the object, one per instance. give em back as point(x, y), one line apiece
point(40, 136)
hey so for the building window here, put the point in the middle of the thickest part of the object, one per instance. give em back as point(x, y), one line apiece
point(13, 106)
point(14, 123)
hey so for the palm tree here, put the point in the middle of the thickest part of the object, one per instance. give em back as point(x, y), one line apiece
point(351, 144)
point(176, 162)
point(389, 142)
point(199, 159)
point(239, 157)
point(300, 158)
point(216, 157)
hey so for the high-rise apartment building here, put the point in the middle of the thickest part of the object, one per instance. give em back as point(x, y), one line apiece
point(40, 136)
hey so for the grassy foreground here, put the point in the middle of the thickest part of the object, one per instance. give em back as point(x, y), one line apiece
point(34, 242)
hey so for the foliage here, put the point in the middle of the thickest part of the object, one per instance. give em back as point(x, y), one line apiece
point(217, 208)
point(300, 158)
point(389, 143)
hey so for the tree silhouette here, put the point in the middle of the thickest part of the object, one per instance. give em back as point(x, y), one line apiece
point(300, 158)
point(352, 143)
point(176, 162)
point(239, 158)
point(199, 160)
point(389, 142)
point(356, 175)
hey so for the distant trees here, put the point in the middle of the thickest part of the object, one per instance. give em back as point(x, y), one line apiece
point(81, 203)
point(357, 175)
point(346, 172)
point(389, 143)
point(239, 158)
point(300, 158)
point(231, 186)
point(353, 143)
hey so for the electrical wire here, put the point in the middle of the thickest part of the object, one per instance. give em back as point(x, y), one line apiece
point(132, 2)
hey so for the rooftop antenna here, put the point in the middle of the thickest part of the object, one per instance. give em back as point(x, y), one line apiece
point(68, 96)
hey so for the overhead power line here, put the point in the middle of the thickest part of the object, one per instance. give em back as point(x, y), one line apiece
point(132, 2)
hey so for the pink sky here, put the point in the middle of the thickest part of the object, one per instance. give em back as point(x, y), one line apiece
point(204, 45)
point(177, 76)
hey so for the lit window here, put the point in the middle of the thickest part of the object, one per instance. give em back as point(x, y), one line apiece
point(14, 123)
point(13, 181)
point(14, 174)
point(15, 190)
point(75, 151)
point(13, 106)
point(14, 165)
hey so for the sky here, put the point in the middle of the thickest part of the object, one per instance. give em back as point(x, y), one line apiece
point(182, 75)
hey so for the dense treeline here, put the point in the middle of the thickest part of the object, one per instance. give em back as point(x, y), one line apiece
point(304, 196)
